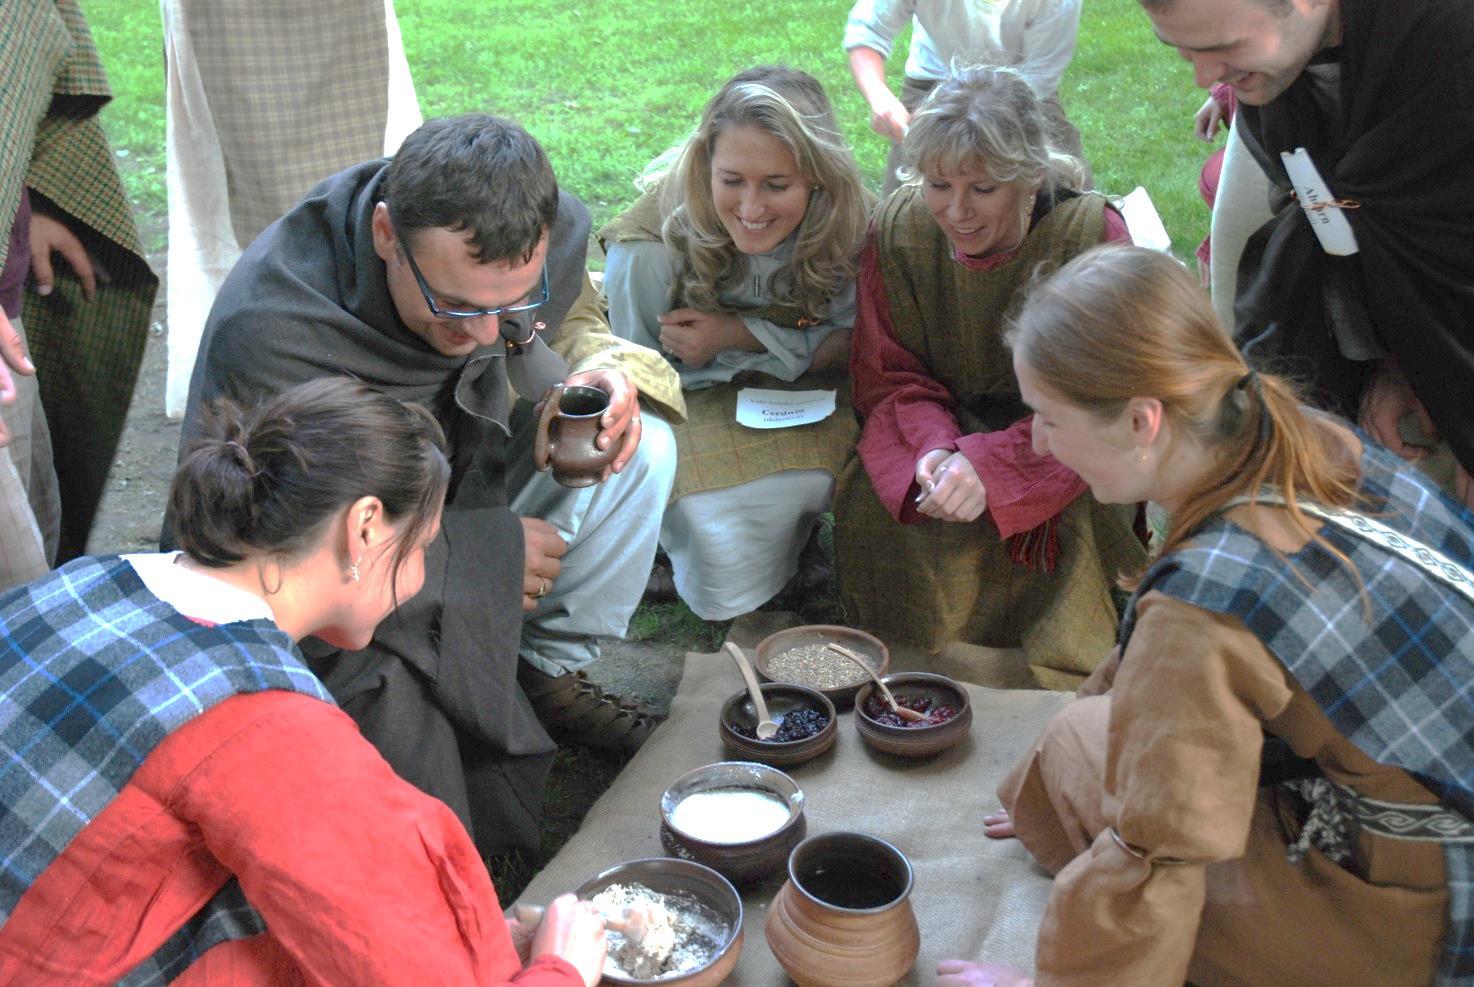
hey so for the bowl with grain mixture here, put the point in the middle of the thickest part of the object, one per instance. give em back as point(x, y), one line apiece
point(799, 656)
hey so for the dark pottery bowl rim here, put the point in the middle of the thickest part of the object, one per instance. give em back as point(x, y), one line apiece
point(885, 846)
point(794, 800)
point(607, 877)
point(897, 681)
point(825, 704)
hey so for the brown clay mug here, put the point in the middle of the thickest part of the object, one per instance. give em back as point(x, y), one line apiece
point(844, 916)
point(566, 434)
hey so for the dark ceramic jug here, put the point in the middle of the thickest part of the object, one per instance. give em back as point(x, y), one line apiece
point(566, 431)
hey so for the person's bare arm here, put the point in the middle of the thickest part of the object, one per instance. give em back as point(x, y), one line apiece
point(888, 117)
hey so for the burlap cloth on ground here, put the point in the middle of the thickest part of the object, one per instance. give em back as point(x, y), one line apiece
point(974, 898)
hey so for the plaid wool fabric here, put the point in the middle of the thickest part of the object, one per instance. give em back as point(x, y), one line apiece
point(87, 353)
point(95, 671)
point(311, 75)
point(1389, 658)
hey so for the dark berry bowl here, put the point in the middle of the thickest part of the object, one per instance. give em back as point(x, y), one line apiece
point(745, 846)
point(807, 725)
point(943, 700)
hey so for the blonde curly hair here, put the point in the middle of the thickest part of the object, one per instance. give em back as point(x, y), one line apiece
point(792, 106)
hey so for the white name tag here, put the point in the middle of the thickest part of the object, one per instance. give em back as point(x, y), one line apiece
point(761, 408)
point(1330, 226)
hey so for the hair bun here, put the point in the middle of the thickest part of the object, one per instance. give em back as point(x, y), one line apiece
point(242, 456)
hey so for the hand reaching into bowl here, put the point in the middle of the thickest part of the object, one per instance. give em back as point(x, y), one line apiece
point(568, 928)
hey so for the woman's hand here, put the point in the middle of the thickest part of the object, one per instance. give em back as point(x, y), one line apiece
point(950, 487)
point(573, 930)
point(998, 825)
point(959, 973)
point(522, 923)
point(695, 337)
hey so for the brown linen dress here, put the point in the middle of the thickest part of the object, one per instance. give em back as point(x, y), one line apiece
point(1170, 758)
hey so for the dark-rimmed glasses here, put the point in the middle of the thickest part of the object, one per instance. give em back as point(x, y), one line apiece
point(471, 313)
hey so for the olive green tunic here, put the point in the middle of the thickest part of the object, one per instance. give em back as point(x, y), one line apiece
point(937, 581)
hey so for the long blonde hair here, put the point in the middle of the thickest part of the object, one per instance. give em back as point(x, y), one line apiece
point(791, 106)
point(1119, 322)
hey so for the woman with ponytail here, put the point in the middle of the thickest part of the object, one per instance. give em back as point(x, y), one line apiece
point(181, 801)
point(1272, 780)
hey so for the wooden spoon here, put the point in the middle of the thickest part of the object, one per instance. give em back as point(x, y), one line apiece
point(909, 715)
point(767, 727)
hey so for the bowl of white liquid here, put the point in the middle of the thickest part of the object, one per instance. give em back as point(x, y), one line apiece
point(739, 818)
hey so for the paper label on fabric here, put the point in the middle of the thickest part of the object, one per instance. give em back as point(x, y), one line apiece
point(1327, 220)
point(760, 408)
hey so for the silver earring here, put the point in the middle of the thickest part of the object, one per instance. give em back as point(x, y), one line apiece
point(353, 570)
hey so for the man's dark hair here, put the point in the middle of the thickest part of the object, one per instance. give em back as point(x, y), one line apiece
point(478, 174)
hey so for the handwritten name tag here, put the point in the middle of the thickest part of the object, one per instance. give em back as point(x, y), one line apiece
point(761, 408)
point(1320, 205)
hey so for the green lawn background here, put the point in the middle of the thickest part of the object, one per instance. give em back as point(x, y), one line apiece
point(606, 87)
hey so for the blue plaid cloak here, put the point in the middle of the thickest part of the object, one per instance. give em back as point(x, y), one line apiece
point(95, 671)
point(1389, 659)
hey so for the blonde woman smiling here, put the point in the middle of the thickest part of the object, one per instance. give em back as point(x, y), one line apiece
point(739, 265)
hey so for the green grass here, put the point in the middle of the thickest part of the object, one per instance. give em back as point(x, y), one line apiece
point(676, 625)
point(608, 87)
point(130, 39)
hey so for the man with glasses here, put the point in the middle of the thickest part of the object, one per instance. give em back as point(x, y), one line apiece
point(454, 276)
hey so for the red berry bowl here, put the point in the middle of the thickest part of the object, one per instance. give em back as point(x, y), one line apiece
point(944, 702)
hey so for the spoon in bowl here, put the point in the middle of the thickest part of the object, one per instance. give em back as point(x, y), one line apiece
point(767, 727)
point(904, 713)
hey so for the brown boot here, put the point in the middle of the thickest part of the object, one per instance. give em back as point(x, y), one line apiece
point(574, 710)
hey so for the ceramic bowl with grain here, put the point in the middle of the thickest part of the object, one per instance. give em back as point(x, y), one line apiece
point(686, 882)
point(848, 675)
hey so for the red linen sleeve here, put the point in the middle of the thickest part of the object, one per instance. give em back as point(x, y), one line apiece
point(361, 877)
point(1024, 488)
point(906, 412)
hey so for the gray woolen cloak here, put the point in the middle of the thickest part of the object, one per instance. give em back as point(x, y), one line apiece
point(437, 689)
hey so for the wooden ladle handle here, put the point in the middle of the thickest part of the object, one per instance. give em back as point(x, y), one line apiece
point(901, 711)
point(764, 732)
